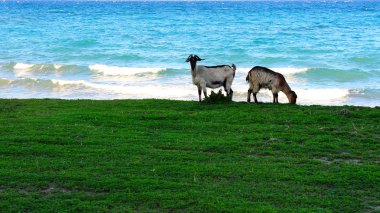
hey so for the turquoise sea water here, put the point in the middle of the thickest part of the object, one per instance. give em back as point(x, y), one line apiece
point(329, 52)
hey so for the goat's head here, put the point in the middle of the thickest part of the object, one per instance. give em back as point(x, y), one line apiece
point(292, 97)
point(193, 58)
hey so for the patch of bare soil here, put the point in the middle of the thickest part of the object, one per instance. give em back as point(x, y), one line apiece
point(327, 161)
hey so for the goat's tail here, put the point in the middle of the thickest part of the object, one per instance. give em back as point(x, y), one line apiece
point(247, 78)
point(234, 69)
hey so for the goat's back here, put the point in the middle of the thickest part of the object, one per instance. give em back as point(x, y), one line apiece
point(264, 74)
point(215, 71)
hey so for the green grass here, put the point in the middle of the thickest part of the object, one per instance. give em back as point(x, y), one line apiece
point(161, 156)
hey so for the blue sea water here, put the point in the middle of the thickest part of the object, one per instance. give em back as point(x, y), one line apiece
point(329, 52)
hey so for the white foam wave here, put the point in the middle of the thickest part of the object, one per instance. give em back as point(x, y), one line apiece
point(21, 69)
point(330, 96)
point(290, 70)
point(188, 92)
point(243, 70)
point(115, 70)
point(28, 70)
point(135, 91)
point(22, 66)
point(57, 66)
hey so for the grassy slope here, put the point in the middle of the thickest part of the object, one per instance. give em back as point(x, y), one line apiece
point(157, 155)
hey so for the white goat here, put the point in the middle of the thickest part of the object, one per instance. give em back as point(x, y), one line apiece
point(211, 76)
point(262, 77)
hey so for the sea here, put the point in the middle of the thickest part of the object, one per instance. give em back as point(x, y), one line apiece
point(328, 51)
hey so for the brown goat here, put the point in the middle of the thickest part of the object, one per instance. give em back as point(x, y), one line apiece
point(262, 77)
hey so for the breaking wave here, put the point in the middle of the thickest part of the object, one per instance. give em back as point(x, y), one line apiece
point(34, 67)
point(27, 70)
point(116, 70)
point(121, 70)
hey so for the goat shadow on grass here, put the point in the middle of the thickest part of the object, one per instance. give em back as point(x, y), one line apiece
point(218, 97)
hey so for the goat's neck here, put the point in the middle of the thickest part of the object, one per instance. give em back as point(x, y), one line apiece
point(193, 65)
point(287, 91)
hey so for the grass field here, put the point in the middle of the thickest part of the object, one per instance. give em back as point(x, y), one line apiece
point(181, 156)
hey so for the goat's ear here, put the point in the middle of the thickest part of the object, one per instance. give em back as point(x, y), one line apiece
point(198, 59)
point(188, 58)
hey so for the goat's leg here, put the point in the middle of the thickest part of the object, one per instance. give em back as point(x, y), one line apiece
point(249, 95)
point(204, 92)
point(255, 88)
point(254, 96)
point(250, 91)
point(203, 86)
point(227, 88)
point(275, 97)
point(229, 92)
point(200, 93)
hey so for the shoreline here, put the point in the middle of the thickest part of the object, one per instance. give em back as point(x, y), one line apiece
point(186, 100)
point(106, 82)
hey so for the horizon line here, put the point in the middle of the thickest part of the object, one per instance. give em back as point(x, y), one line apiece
point(115, 1)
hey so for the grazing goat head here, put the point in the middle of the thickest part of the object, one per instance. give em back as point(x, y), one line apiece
point(292, 97)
